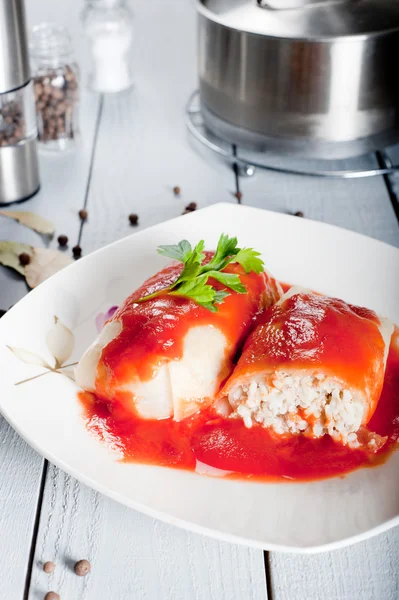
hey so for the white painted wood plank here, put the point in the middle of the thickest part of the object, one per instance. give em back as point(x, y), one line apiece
point(144, 148)
point(63, 176)
point(133, 556)
point(366, 571)
point(20, 474)
point(142, 152)
point(64, 180)
point(359, 204)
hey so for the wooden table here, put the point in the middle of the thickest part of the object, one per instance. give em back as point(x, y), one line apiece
point(134, 148)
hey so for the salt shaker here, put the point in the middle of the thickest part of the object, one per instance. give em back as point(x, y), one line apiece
point(19, 173)
point(108, 25)
point(56, 85)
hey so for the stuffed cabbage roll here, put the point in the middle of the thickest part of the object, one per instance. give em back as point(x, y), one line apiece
point(168, 356)
point(314, 365)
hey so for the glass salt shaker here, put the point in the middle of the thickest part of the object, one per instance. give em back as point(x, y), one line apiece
point(108, 25)
point(56, 85)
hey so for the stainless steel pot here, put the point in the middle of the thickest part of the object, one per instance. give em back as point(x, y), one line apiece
point(310, 78)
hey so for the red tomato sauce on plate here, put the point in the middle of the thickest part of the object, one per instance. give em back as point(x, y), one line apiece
point(314, 333)
point(248, 453)
point(159, 325)
point(227, 444)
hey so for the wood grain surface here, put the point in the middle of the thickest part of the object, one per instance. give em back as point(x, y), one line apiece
point(368, 570)
point(133, 556)
point(365, 571)
point(134, 171)
point(64, 180)
point(134, 149)
point(361, 205)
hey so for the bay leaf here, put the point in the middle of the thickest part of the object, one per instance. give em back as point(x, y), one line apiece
point(9, 255)
point(31, 220)
point(43, 264)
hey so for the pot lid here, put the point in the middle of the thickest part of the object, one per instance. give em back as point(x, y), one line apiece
point(305, 19)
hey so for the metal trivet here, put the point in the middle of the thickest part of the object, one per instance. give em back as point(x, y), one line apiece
point(195, 125)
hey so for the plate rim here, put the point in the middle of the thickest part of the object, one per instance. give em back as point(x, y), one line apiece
point(166, 517)
point(213, 207)
point(199, 529)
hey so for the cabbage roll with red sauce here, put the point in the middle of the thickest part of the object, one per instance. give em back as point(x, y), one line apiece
point(168, 356)
point(314, 365)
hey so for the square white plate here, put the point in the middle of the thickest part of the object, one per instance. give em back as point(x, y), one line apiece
point(301, 517)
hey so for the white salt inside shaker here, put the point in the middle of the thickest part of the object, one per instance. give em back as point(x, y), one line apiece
point(108, 26)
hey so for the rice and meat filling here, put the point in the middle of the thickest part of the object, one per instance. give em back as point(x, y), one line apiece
point(314, 366)
point(313, 405)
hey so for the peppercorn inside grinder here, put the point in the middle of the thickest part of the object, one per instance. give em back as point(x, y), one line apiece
point(56, 88)
point(19, 172)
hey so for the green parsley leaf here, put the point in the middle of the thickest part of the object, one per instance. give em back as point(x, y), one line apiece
point(196, 289)
point(230, 280)
point(248, 259)
point(209, 306)
point(192, 265)
point(218, 298)
point(220, 295)
point(193, 280)
point(226, 248)
point(180, 252)
point(187, 286)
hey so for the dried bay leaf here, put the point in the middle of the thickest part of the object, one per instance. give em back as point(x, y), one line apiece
point(9, 255)
point(43, 264)
point(31, 220)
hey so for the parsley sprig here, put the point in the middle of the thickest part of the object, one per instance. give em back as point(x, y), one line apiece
point(193, 280)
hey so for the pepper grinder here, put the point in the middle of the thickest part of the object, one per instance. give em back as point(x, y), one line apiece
point(19, 172)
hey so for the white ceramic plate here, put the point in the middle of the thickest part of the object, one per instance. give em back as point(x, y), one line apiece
point(303, 517)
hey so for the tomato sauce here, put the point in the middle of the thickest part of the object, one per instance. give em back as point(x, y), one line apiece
point(310, 332)
point(227, 444)
point(154, 331)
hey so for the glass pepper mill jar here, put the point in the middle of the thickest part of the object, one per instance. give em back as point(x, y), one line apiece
point(108, 26)
point(56, 85)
